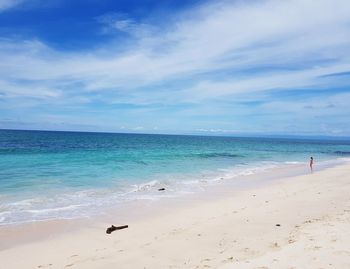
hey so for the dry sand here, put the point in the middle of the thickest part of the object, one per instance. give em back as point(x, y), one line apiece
point(234, 230)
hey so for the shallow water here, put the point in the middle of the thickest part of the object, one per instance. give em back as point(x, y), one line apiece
point(46, 175)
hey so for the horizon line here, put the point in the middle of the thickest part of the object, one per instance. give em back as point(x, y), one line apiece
point(241, 135)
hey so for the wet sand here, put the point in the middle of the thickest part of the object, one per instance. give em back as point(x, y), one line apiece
point(293, 222)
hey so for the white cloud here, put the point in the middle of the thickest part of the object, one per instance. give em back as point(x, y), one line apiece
point(7, 4)
point(36, 90)
point(298, 40)
point(311, 78)
point(138, 128)
point(203, 130)
point(121, 22)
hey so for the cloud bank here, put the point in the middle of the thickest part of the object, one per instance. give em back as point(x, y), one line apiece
point(214, 53)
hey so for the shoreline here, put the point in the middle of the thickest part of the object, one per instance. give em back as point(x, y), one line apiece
point(236, 228)
point(238, 177)
point(33, 231)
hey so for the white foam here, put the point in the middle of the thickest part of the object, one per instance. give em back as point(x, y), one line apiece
point(147, 186)
point(48, 210)
point(83, 203)
point(292, 162)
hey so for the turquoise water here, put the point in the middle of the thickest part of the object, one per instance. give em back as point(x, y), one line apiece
point(45, 175)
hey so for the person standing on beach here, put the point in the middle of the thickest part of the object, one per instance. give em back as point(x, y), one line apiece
point(311, 163)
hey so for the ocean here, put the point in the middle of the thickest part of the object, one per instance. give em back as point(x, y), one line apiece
point(58, 175)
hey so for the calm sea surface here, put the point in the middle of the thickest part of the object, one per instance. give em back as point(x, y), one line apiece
point(46, 175)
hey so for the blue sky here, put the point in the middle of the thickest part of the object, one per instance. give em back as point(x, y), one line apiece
point(193, 67)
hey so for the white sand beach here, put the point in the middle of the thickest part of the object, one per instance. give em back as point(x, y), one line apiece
point(294, 222)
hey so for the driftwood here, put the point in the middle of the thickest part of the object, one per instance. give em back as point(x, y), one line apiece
point(114, 228)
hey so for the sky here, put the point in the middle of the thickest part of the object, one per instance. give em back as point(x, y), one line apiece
point(263, 67)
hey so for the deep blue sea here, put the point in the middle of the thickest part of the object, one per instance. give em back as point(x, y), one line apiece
point(48, 175)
